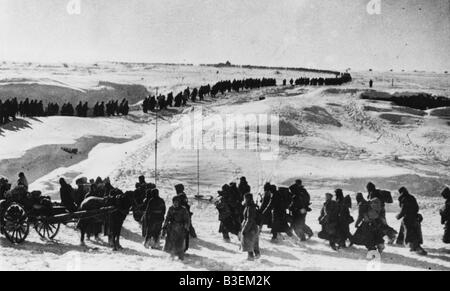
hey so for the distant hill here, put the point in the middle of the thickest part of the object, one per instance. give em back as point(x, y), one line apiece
point(228, 64)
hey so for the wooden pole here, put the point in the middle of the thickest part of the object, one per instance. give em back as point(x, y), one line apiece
point(198, 170)
point(156, 149)
point(156, 144)
point(198, 163)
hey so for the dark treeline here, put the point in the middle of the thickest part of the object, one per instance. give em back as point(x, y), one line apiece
point(422, 101)
point(10, 109)
point(161, 102)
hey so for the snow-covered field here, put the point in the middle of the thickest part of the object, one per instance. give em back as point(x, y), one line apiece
point(328, 137)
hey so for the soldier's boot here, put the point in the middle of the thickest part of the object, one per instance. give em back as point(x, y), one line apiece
point(147, 243)
point(420, 251)
point(412, 247)
point(250, 256)
point(381, 248)
point(110, 241)
point(333, 246)
point(351, 243)
point(289, 233)
point(192, 232)
point(274, 237)
point(309, 232)
point(400, 241)
point(156, 244)
point(226, 236)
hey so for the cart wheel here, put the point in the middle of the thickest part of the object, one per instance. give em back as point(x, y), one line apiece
point(46, 230)
point(16, 227)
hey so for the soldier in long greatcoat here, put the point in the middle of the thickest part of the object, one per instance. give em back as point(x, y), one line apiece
point(328, 218)
point(153, 218)
point(250, 228)
point(229, 222)
point(411, 221)
point(176, 226)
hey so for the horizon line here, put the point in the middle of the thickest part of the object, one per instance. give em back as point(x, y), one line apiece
point(222, 64)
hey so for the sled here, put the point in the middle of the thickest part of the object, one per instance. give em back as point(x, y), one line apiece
point(208, 198)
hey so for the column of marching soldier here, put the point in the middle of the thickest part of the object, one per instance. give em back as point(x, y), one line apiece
point(282, 209)
point(162, 102)
point(11, 108)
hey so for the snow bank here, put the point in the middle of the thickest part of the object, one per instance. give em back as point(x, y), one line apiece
point(61, 130)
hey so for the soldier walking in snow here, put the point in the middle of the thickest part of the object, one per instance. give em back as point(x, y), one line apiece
point(368, 225)
point(176, 227)
point(229, 223)
point(250, 229)
point(328, 219)
point(276, 209)
point(299, 208)
point(243, 187)
point(265, 199)
point(185, 203)
point(344, 217)
point(153, 218)
point(383, 197)
point(411, 221)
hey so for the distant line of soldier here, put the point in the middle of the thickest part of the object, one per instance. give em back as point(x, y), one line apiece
point(340, 80)
point(162, 102)
point(11, 108)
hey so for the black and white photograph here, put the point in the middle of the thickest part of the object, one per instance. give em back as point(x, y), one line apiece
point(234, 136)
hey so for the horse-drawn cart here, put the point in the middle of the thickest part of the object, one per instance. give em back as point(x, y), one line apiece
point(16, 219)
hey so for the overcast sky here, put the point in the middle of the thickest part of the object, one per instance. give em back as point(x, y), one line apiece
point(334, 34)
